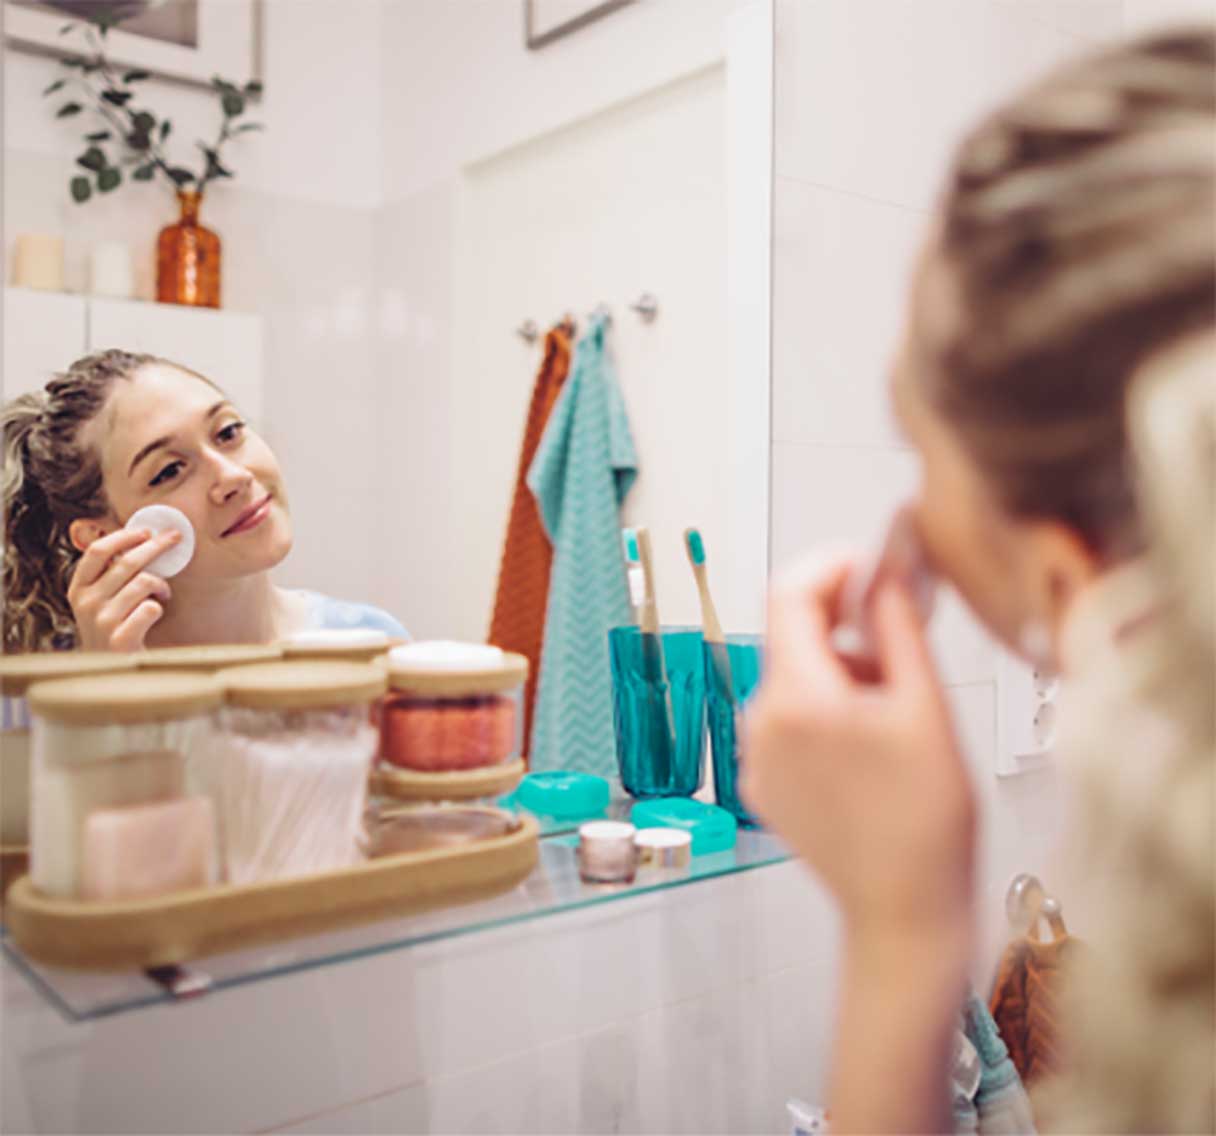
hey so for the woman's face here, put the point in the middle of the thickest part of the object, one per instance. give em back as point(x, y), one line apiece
point(166, 437)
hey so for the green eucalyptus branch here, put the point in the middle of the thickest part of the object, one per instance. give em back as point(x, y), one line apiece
point(138, 133)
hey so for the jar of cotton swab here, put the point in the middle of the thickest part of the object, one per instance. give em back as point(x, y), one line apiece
point(294, 752)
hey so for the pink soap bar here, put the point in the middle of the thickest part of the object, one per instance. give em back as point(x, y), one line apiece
point(434, 735)
point(146, 850)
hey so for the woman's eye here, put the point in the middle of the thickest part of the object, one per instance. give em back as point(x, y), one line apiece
point(231, 432)
point(167, 474)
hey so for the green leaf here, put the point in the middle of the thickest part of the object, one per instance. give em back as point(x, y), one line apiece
point(222, 85)
point(234, 103)
point(72, 64)
point(98, 136)
point(136, 76)
point(253, 87)
point(80, 189)
point(93, 159)
point(143, 121)
point(246, 126)
point(57, 85)
point(116, 98)
point(181, 176)
point(68, 109)
point(144, 173)
point(139, 140)
point(65, 29)
point(165, 127)
point(109, 178)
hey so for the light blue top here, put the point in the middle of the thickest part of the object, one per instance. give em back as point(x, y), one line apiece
point(326, 614)
point(583, 469)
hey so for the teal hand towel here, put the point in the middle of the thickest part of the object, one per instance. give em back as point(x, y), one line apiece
point(582, 472)
point(995, 1104)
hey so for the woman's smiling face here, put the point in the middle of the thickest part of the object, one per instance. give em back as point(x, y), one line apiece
point(167, 437)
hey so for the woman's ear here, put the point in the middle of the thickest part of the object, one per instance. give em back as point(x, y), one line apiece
point(1064, 565)
point(84, 530)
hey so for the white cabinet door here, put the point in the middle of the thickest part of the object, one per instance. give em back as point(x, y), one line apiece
point(43, 333)
point(224, 346)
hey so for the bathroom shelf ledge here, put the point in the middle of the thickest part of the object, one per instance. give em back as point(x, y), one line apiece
point(553, 887)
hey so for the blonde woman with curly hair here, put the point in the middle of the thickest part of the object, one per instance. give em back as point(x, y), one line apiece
point(1056, 377)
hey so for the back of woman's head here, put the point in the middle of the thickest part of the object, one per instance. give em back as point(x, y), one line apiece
point(50, 480)
point(1077, 239)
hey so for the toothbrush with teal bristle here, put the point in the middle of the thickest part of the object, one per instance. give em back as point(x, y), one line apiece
point(711, 625)
point(639, 569)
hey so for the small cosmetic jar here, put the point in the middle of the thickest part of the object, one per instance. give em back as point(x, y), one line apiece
point(207, 658)
point(104, 743)
point(17, 674)
point(663, 848)
point(293, 755)
point(607, 853)
point(452, 706)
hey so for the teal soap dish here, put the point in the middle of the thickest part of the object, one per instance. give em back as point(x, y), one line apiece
point(713, 829)
point(562, 794)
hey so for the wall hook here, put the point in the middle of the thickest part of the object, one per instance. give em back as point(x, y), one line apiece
point(528, 331)
point(647, 307)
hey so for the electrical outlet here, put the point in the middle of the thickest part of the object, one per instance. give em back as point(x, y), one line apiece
point(1026, 715)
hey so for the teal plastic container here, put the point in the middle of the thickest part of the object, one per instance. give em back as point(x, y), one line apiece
point(732, 673)
point(713, 829)
point(660, 727)
point(563, 794)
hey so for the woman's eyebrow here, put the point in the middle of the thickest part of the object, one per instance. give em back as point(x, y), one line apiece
point(161, 442)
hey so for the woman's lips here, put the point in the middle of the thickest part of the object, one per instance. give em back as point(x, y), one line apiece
point(250, 518)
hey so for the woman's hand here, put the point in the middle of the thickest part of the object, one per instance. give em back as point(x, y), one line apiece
point(115, 601)
point(862, 777)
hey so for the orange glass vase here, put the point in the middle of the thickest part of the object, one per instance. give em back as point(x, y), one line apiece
point(188, 258)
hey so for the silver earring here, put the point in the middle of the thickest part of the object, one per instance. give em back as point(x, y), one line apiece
point(1034, 641)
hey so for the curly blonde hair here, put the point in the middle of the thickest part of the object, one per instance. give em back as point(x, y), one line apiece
point(50, 480)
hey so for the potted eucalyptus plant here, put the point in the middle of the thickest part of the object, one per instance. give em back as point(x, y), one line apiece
point(126, 141)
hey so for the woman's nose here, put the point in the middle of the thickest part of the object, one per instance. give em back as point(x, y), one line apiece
point(230, 480)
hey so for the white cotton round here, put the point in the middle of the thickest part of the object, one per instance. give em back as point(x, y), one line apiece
point(158, 519)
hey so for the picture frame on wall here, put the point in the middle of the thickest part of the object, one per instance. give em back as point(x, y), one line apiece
point(187, 40)
point(548, 20)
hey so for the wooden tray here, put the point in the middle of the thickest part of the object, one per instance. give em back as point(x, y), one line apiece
point(14, 863)
point(136, 934)
point(458, 785)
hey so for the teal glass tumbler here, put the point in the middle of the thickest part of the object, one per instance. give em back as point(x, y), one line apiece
point(732, 673)
point(660, 727)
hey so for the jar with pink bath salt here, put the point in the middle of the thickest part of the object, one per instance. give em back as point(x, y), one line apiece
point(452, 707)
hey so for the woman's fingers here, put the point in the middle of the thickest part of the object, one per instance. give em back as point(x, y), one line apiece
point(96, 558)
point(126, 565)
point(129, 635)
point(144, 586)
point(802, 611)
point(903, 648)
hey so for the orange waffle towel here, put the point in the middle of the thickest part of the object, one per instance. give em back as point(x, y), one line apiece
point(518, 623)
point(1024, 1003)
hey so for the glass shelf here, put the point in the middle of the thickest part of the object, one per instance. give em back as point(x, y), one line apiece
point(553, 887)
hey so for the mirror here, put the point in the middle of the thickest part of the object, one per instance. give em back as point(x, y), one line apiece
point(421, 205)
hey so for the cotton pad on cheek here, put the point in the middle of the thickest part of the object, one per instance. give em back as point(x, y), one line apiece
point(161, 518)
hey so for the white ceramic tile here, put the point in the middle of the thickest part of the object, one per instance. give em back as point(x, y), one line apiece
point(351, 1120)
point(1084, 20)
point(1021, 821)
point(842, 267)
point(883, 89)
point(534, 1092)
point(835, 494)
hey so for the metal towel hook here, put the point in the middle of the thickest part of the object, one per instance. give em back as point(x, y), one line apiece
point(1026, 903)
point(528, 331)
point(647, 307)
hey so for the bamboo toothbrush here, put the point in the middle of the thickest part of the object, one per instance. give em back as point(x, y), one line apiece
point(710, 623)
point(662, 723)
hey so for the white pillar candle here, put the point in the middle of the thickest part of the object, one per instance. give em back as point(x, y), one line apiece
point(38, 261)
point(110, 270)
